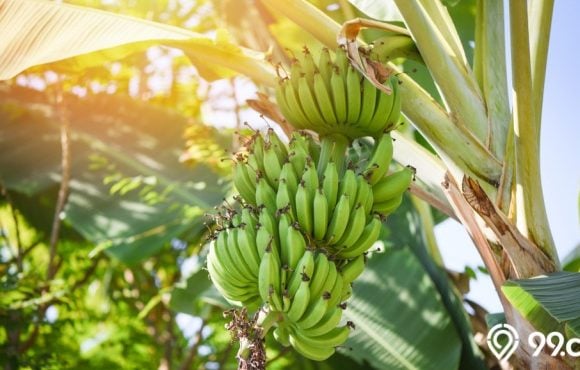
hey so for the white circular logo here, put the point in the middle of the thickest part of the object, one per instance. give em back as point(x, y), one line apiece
point(508, 346)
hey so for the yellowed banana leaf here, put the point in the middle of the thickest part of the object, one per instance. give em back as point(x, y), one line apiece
point(35, 32)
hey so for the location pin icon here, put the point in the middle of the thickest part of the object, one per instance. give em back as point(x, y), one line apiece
point(503, 340)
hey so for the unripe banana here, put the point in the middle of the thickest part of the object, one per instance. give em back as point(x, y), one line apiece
point(272, 165)
point(356, 225)
point(288, 175)
point(348, 186)
point(303, 271)
point(299, 302)
point(224, 259)
point(265, 196)
point(324, 99)
point(308, 103)
point(330, 185)
point(336, 292)
point(339, 220)
point(320, 215)
point(293, 103)
point(243, 183)
point(354, 92)
point(330, 320)
point(269, 279)
point(393, 185)
point(278, 146)
point(364, 194)
point(284, 198)
point(338, 90)
point(382, 111)
point(389, 206)
point(285, 223)
point(314, 313)
point(382, 155)
point(309, 67)
point(304, 208)
point(320, 274)
point(282, 336)
point(369, 96)
point(238, 256)
point(325, 66)
point(248, 248)
point(313, 353)
point(333, 338)
point(295, 245)
point(365, 241)
point(264, 240)
point(353, 269)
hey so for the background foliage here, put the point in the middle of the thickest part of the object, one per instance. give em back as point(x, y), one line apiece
point(149, 146)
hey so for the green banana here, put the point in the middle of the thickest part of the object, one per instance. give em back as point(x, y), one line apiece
point(382, 112)
point(293, 102)
point(353, 93)
point(265, 196)
point(330, 320)
point(308, 103)
point(313, 353)
point(336, 292)
point(333, 338)
point(338, 90)
point(325, 66)
point(247, 244)
point(324, 99)
point(284, 224)
point(369, 96)
point(389, 206)
point(330, 183)
point(295, 245)
point(320, 215)
point(356, 225)
point(272, 165)
point(314, 313)
point(282, 336)
point(382, 155)
point(303, 271)
point(243, 183)
point(353, 269)
point(238, 256)
point(284, 198)
point(369, 236)
point(339, 220)
point(393, 185)
point(320, 274)
point(304, 208)
point(348, 186)
point(299, 302)
point(289, 177)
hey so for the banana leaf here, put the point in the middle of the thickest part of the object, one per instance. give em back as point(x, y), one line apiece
point(129, 195)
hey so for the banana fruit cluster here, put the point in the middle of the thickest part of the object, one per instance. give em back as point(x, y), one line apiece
point(330, 96)
point(300, 237)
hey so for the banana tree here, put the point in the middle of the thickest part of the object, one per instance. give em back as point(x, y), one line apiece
point(484, 168)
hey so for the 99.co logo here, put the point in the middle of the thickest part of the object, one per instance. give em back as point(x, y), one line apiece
point(503, 340)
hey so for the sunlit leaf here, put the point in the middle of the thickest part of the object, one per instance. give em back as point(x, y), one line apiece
point(34, 32)
point(116, 138)
point(548, 301)
point(383, 10)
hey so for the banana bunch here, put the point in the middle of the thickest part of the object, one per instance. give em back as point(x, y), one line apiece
point(299, 239)
point(332, 97)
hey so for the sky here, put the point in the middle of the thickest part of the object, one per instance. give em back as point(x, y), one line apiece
point(560, 156)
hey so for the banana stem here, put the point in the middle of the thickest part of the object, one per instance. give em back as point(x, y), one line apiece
point(266, 319)
point(338, 154)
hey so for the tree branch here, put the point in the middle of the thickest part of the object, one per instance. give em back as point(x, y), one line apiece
point(64, 182)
